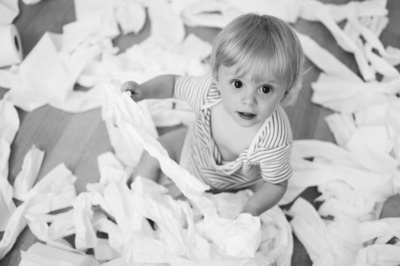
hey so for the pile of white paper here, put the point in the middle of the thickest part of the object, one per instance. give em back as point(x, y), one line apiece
point(355, 177)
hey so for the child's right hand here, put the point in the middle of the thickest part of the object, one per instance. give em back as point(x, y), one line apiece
point(134, 88)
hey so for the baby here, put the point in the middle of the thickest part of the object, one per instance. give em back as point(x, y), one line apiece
point(241, 137)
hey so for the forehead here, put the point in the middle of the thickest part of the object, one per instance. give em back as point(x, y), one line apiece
point(230, 72)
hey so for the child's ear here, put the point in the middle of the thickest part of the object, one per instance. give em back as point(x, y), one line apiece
point(284, 97)
point(215, 81)
point(215, 77)
point(216, 84)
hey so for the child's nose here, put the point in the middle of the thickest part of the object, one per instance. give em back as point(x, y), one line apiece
point(248, 98)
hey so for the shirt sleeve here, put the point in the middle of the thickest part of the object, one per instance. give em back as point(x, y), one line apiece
point(276, 167)
point(193, 90)
point(275, 148)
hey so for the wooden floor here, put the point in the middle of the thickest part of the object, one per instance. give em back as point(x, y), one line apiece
point(77, 139)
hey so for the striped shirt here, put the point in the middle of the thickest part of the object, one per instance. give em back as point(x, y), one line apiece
point(267, 157)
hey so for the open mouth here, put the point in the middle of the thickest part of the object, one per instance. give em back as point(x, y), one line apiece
point(246, 116)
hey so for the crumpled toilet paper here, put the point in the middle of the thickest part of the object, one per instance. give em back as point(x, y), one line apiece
point(353, 183)
point(30, 169)
point(193, 189)
point(55, 191)
point(9, 124)
point(8, 11)
point(43, 78)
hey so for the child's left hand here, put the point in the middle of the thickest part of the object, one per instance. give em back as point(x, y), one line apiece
point(134, 88)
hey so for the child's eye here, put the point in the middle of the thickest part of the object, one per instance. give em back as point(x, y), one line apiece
point(266, 89)
point(237, 84)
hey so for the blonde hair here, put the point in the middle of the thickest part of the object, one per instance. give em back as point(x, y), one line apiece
point(256, 43)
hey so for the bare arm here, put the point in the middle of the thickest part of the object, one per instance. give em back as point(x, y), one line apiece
point(160, 87)
point(265, 197)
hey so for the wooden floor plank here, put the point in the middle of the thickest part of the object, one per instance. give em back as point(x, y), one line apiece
point(41, 127)
point(87, 169)
point(391, 34)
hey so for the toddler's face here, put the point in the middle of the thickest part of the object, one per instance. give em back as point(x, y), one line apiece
point(247, 102)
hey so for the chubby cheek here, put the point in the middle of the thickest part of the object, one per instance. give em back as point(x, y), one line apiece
point(235, 102)
point(228, 100)
point(228, 104)
point(267, 109)
point(267, 113)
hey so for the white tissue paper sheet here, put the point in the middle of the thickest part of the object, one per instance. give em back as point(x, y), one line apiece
point(9, 121)
point(9, 124)
point(111, 169)
point(55, 191)
point(323, 247)
point(380, 231)
point(166, 24)
point(325, 60)
point(333, 93)
point(31, 2)
point(45, 255)
point(130, 15)
point(210, 14)
point(369, 9)
point(85, 235)
point(30, 169)
point(128, 116)
point(154, 56)
point(287, 10)
point(9, 10)
point(43, 78)
point(170, 112)
point(51, 227)
point(379, 255)
point(8, 76)
point(219, 13)
point(316, 11)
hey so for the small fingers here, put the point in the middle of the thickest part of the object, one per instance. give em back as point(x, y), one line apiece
point(133, 88)
point(130, 86)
